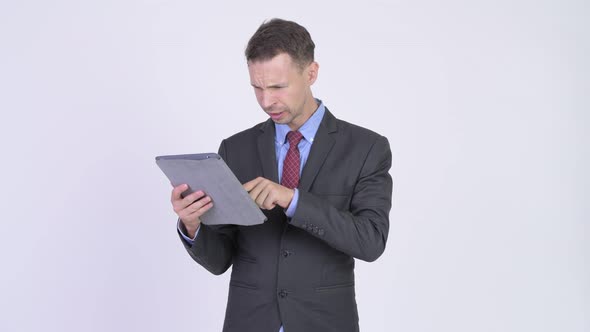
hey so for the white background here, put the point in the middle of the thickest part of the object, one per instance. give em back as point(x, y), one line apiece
point(485, 104)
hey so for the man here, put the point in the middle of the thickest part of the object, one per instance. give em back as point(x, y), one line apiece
point(322, 183)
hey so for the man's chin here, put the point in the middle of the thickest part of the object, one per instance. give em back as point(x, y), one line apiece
point(281, 119)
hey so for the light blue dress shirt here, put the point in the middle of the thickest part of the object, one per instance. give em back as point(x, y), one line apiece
point(308, 130)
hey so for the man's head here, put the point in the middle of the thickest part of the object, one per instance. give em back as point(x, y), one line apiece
point(282, 69)
point(279, 36)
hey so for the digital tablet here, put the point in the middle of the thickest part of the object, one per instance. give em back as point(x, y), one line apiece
point(209, 173)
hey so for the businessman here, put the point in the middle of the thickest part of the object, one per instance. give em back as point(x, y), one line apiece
point(323, 185)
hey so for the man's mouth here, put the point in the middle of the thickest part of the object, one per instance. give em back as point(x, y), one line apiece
point(276, 115)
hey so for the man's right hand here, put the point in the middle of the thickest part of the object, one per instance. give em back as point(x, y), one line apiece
point(190, 208)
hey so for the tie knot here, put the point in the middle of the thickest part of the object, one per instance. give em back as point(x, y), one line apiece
point(294, 137)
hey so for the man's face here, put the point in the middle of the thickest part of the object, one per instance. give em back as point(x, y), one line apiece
point(283, 89)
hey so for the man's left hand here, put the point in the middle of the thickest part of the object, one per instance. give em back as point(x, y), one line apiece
point(268, 194)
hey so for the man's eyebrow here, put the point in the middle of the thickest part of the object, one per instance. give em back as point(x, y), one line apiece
point(277, 85)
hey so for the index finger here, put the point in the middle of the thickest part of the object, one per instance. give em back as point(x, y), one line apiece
point(178, 190)
point(253, 183)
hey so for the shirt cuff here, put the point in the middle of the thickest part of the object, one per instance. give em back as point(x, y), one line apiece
point(182, 231)
point(293, 206)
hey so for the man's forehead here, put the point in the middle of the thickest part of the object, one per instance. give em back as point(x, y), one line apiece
point(270, 72)
point(268, 79)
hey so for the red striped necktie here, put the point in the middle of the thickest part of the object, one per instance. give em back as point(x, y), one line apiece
point(292, 162)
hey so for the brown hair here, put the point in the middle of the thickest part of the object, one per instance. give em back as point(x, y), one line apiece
point(280, 36)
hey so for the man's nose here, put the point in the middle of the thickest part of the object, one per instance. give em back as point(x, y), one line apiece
point(266, 99)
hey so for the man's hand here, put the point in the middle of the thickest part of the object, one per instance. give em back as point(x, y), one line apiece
point(190, 208)
point(268, 194)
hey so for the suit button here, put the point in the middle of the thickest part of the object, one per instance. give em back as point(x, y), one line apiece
point(315, 230)
point(321, 232)
point(283, 293)
point(286, 253)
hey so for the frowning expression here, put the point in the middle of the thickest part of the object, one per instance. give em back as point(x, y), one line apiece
point(283, 90)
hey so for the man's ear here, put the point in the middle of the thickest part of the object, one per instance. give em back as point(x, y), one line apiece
point(312, 72)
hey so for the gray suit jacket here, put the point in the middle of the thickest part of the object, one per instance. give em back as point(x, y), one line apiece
point(300, 273)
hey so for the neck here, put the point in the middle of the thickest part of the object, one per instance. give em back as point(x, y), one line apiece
point(309, 107)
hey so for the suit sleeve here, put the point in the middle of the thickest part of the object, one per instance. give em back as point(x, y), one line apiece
point(214, 246)
point(361, 231)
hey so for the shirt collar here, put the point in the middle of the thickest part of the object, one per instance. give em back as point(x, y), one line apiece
point(309, 128)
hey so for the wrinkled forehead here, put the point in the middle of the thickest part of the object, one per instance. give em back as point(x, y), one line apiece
point(271, 71)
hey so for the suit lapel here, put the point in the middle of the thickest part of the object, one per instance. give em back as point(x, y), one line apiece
point(266, 151)
point(322, 144)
